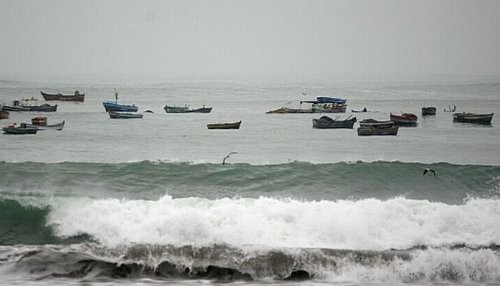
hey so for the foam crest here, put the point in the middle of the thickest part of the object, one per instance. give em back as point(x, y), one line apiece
point(366, 224)
point(433, 265)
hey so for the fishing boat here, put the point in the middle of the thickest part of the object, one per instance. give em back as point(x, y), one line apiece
point(404, 119)
point(185, 109)
point(124, 115)
point(231, 125)
point(369, 131)
point(327, 105)
point(58, 126)
point(477, 118)
point(320, 105)
point(115, 106)
point(368, 127)
point(19, 130)
point(40, 123)
point(326, 122)
point(429, 110)
point(77, 96)
point(29, 104)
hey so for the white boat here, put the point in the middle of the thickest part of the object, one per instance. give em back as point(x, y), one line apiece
point(58, 126)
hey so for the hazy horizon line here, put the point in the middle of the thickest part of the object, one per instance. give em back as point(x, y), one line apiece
point(337, 78)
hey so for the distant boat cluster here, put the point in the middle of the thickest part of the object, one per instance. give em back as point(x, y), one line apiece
point(371, 126)
point(321, 104)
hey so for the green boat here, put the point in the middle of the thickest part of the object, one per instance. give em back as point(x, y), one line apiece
point(12, 129)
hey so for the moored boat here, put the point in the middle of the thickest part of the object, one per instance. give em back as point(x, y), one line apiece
point(429, 110)
point(327, 105)
point(115, 106)
point(369, 131)
point(368, 127)
point(77, 96)
point(327, 122)
point(320, 105)
point(124, 115)
point(58, 126)
point(29, 105)
point(478, 118)
point(230, 125)
point(404, 119)
point(19, 130)
point(40, 123)
point(185, 109)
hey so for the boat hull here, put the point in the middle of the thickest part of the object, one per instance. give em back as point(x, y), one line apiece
point(372, 123)
point(308, 110)
point(406, 119)
point(63, 97)
point(124, 115)
point(40, 108)
point(475, 118)
point(326, 122)
point(232, 125)
point(57, 126)
point(185, 109)
point(368, 131)
point(113, 106)
point(19, 130)
point(428, 111)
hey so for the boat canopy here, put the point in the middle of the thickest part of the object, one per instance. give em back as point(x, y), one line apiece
point(324, 99)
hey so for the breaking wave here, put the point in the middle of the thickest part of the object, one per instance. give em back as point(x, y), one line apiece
point(225, 264)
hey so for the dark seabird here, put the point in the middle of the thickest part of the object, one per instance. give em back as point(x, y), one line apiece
point(429, 170)
point(225, 158)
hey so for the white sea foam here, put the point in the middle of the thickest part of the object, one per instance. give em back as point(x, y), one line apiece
point(429, 265)
point(366, 224)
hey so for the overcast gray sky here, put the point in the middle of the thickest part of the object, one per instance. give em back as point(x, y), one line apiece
point(45, 39)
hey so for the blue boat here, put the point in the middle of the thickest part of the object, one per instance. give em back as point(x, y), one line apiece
point(115, 106)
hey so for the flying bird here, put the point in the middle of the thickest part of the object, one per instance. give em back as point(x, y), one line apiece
point(227, 157)
point(429, 170)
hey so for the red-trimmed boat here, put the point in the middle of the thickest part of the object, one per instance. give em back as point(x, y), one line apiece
point(404, 119)
point(77, 96)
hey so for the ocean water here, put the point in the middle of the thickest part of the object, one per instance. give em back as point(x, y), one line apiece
point(142, 202)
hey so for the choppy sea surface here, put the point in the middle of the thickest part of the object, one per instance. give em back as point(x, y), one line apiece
point(147, 201)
